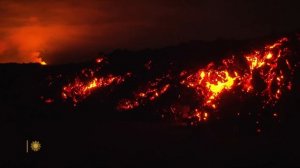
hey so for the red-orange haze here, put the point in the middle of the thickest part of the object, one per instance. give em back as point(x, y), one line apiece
point(31, 43)
point(34, 31)
point(72, 31)
point(41, 31)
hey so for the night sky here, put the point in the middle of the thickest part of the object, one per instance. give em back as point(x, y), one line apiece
point(71, 31)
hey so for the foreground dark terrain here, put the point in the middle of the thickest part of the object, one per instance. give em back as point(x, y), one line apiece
point(94, 133)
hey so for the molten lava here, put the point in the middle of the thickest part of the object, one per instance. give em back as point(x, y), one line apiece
point(79, 90)
point(150, 92)
point(85, 83)
point(210, 83)
point(264, 73)
point(270, 64)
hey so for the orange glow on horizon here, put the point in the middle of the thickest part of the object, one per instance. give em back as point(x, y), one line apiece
point(31, 43)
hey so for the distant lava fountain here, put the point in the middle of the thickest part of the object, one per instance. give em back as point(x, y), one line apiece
point(37, 57)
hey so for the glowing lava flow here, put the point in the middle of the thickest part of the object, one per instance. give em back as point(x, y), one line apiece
point(270, 64)
point(210, 83)
point(151, 91)
point(79, 90)
point(85, 83)
point(273, 67)
point(264, 73)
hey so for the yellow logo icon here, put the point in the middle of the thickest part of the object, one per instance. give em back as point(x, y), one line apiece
point(35, 146)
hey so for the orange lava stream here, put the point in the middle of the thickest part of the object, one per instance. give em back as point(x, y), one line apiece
point(86, 82)
point(151, 92)
point(79, 90)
